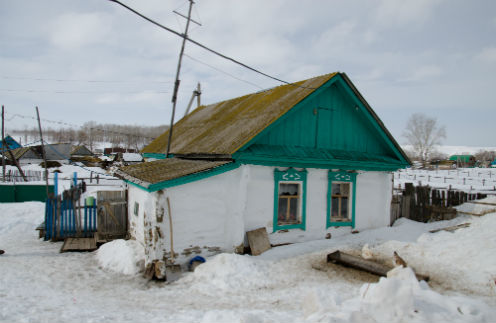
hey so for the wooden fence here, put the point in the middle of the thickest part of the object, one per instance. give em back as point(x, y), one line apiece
point(13, 175)
point(424, 203)
point(105, 220)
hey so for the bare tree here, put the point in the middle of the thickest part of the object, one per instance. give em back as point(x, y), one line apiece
point(423, 133)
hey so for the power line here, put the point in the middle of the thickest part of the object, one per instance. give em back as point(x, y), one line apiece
point(224, 72)
point(79, 126)
point(207, 48)
point(76, 80)
point(80, 92)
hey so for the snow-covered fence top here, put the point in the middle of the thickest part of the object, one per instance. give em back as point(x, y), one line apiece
point(13, 175)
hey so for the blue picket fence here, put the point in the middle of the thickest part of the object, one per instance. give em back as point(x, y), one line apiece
point(63, 219)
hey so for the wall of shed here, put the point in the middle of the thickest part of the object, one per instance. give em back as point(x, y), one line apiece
point(212, 215)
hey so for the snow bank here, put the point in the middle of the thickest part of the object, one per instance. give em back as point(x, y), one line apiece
point(398, 298)
point(231, 272)
point(121, 256)
point(462, 261)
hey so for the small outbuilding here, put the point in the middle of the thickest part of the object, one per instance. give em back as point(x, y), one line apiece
point(304, 161)
point(80, 151)
point(463, 160)
point(25, 156)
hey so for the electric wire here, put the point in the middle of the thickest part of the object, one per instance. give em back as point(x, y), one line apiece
point(76, 80)
point(81, 92)
point(205, 47)
point(224, 72)
point(79, 126)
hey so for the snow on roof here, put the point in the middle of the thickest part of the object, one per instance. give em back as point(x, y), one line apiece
point(132, 157)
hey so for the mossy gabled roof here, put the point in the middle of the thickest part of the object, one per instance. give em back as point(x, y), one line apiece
point(158, 171)
point(222, 128)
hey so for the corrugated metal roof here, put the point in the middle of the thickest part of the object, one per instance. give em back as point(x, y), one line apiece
point(166, 169)
point(224, 127)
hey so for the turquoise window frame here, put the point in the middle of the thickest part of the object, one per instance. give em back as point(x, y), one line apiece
point(341, 177)
point(290, 176)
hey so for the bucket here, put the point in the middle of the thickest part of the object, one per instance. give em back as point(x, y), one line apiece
point(90, 201)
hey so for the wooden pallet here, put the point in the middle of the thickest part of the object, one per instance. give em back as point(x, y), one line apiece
point(79, 244)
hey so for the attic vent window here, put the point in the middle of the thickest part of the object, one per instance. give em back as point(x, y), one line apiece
point(289, 199)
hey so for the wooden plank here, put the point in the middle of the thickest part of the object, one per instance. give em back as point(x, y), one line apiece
point(451, 228)
point(78, 244)
point(483, 203)
point(258, 240)
point(359, 263)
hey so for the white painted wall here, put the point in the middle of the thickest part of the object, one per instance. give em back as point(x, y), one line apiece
point(213, 214)
point(373, 200)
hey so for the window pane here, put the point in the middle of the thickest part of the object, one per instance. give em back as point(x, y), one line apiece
point(293, 209)
point(282, 209)
point(336, 189)
point(335, 207)
point(344, 207)
point(288, 189)
point(345, 189)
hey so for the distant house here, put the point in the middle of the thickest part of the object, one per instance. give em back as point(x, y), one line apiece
point(25, 156)
point(55, 152)
point(299, 160)
point(116, 150)
point(80, 151)
point(10, 143)
point(463, 160)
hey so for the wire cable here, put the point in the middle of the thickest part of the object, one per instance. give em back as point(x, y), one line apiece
point(224, 72)
point(207, 48)
point(81, 92)
point(75, 80)
point(79, 126)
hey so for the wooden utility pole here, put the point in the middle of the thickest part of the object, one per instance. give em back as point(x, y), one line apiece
point(176, 83)
point(43, 151)
point(10, 153)
point(3, 144)
point(196, 93)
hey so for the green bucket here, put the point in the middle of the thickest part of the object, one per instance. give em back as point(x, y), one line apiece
point(90, 201)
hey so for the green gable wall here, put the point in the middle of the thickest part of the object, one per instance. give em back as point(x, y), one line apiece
point(330, 128)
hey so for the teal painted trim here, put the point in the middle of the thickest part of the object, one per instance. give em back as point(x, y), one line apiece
point(193, 177)
point(290, 175)
point(361, 105)
point(291, 111)
point(341, 177)
point(154, 155)
point(322, 164)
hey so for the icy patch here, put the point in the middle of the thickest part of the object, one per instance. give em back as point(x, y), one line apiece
point(121, 256)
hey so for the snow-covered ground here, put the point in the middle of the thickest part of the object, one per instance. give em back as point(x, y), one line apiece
point(455, 150)
point(285, 284)
point(471, 180)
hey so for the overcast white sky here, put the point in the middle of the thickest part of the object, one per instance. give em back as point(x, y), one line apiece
point(93, 60)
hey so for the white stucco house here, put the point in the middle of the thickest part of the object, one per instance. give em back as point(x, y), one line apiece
point(302, 160)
